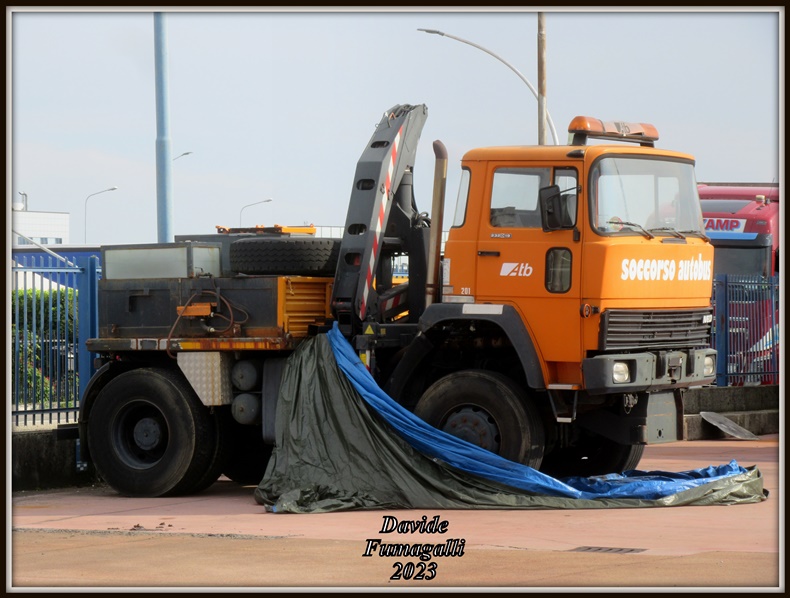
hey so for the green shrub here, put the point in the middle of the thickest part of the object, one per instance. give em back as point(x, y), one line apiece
point(42, 318)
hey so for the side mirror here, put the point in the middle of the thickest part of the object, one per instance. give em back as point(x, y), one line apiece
point(552, 207)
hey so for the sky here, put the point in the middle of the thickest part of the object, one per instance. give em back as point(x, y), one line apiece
point(280, 104)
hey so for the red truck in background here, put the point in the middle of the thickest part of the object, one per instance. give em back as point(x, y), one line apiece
point(742, 221)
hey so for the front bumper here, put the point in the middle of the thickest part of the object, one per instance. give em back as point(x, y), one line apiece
point(648, 371)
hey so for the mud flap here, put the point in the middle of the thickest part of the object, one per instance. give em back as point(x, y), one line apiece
point(272, 374)
point(652, 419)
point(665, 417)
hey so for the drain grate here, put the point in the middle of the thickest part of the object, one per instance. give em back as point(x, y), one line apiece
point(607, 550)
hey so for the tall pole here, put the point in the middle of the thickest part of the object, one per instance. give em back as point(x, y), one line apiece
point(164, 187)
point(542, 110)
point(503, 61)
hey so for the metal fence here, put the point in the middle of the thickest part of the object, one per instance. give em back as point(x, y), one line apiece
point(746, 331)
point(53, 313)
point(49, 362)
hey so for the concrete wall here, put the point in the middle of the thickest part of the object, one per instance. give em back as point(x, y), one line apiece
point(755, 408)
point(39, 460)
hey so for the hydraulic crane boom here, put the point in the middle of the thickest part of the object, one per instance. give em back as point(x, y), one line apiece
point(382, 181)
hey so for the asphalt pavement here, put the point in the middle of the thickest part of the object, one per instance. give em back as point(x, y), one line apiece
point(222, 540)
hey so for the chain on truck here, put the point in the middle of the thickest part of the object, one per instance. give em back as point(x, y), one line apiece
point(559, 328)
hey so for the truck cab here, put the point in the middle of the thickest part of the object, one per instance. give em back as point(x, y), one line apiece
point(583, 273)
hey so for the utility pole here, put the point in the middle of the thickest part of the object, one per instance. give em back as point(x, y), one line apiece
point(164, 187)
point(507, 64)
point(542, 110)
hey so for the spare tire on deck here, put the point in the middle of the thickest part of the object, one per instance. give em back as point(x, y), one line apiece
point(282, 256)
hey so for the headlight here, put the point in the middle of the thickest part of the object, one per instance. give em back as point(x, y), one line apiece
point(710, 366)
point(620, 372)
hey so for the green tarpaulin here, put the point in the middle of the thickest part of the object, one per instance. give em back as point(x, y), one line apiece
point(334, 451)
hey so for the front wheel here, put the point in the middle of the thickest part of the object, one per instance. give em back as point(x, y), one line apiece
point(486, 409)
point(149, 435)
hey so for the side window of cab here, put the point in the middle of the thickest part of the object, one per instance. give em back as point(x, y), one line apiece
point(514, 197)
point(463, 199)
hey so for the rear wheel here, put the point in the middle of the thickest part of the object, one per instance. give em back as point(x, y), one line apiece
point(149, 435)
point(592, 455)
point(223, 443)
point(486, 409)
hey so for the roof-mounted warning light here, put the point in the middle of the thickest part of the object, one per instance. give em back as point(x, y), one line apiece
point(585, 127)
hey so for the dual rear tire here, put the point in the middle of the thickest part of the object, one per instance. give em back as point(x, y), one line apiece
point(149, 435)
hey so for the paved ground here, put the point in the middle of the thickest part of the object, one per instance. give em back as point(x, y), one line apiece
point(91, 537)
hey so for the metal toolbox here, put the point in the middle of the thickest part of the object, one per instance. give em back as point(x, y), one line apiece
point(161, 260)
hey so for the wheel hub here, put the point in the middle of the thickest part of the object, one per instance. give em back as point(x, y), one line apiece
point(147, 433)
point(475, 426)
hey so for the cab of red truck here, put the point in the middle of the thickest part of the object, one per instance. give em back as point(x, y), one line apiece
point(742, 221)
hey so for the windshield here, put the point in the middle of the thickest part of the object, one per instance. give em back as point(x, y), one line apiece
point(742, 260)
point(633, 195)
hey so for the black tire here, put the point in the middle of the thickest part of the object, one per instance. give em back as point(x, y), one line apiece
point(281, 256)
point(149, 435)
point(249, 456)
point(223, 442)
point(488, 410)
point(592, 455)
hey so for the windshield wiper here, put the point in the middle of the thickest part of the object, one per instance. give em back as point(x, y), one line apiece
point(699, 233)
point(639, 227)
point(667, 229)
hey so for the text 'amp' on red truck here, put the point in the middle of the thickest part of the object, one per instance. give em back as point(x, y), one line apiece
point(559, 329)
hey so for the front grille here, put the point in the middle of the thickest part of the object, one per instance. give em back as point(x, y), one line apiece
point(624, 329)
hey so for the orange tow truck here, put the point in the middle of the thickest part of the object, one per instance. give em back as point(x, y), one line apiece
point(559, 328)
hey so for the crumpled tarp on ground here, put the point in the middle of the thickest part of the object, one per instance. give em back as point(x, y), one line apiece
point(342, 443)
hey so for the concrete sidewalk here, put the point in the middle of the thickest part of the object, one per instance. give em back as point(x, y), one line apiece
point(91, 537)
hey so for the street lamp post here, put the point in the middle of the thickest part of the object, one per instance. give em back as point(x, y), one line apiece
point(181, 155)
point(252, 204)
point(86, 210)
point(506, 63)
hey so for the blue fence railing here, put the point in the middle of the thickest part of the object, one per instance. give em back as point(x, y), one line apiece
point(53, 313)
point(746, 330)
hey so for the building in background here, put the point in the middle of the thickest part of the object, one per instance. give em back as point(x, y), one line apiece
point(45, 228)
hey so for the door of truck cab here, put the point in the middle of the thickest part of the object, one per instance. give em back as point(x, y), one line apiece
point(536, 271)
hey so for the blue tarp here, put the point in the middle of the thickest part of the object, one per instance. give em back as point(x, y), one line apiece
point(343, 443)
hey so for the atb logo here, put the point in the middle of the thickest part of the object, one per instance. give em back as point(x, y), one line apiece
point(515, 269)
